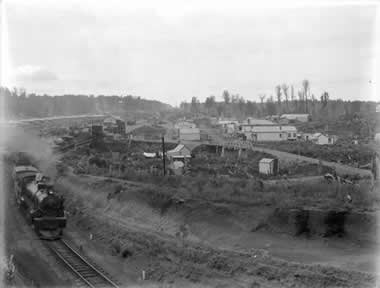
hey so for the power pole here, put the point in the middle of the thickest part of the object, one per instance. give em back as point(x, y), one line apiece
point(163, 154)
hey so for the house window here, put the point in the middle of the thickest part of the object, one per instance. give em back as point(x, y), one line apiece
point(289, 135)
point(280, 135)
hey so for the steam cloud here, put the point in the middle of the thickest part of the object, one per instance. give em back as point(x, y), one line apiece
point(16, 139)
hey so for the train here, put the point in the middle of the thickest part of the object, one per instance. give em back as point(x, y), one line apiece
point(42, 206)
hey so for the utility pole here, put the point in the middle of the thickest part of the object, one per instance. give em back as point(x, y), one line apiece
point(163, 154)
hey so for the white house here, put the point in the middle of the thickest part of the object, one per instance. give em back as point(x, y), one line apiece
point(296, 117)
point(322, 139)
point(269, 132)
point(378, 108)
point(268, 166)
point(189, 134)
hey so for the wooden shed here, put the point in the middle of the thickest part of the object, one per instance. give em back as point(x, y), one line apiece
point(268, 166)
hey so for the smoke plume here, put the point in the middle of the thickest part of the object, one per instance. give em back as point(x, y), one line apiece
point(17, 139)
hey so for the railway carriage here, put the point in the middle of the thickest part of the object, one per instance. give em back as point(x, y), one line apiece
point(43, 208)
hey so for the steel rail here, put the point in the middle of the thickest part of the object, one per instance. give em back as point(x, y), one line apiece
point(90, 275)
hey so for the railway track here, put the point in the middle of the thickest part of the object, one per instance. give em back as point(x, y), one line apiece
point(89, 275)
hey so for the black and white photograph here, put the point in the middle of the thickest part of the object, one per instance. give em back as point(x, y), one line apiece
point(210, 144)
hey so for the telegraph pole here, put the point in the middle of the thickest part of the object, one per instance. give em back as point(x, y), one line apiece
point(163, 153)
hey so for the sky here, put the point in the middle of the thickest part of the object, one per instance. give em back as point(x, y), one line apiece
point(173, 50)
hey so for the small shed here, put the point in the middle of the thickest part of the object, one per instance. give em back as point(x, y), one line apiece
point(268, 166)
point(179, 152)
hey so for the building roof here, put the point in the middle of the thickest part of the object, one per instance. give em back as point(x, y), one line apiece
point(112, 119)
point(293, 116)
point(253, 121)
point(266, 160)
point(178, 151)
point(185, 122)
point(274, 128)
point(178, 148)
point(222, 122)
point(18, 169)
point(319, 134)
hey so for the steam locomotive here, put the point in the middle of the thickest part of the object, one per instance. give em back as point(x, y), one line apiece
point(43, 208)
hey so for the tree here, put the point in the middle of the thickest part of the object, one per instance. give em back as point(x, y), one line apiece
point(251, 108)
point(355, 107)
point(278, 94)
point(262, 107)
point(194, 108)
point(183, 105)
point(226, 97)
point(324, 99)
point(241, 105)
point(300, 95)
point(292, 96)
point(300, 100)
point(270, 106)
point(235, 98)
point(262, 98)
point(220, 109)
point(306, 87)
point(209, 103)
point(285, 90)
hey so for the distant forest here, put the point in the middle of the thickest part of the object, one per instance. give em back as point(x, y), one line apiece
point(18, 105)
point(320, 108)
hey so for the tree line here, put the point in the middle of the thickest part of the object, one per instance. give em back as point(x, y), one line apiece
point(18, 104)
point(284, 101)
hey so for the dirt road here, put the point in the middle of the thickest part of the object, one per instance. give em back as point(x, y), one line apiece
point(340, 168)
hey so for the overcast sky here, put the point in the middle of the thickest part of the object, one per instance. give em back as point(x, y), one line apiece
point(173, 51)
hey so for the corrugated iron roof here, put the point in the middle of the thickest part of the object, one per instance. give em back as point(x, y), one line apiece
point(278, 128)
point(266, 160)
